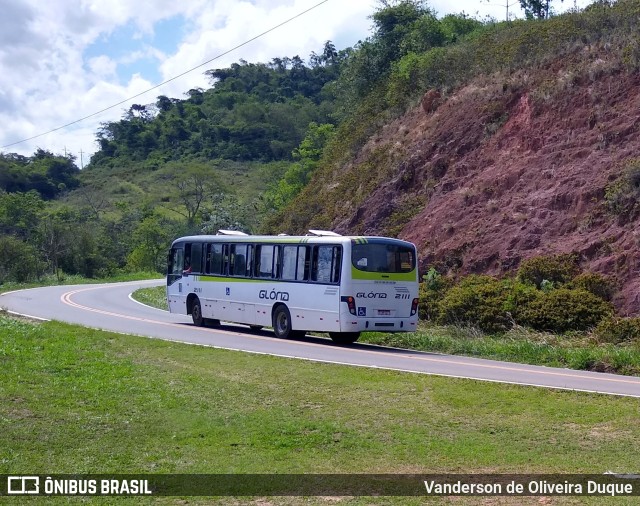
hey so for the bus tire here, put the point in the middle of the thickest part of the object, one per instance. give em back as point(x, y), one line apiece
point(344, 337)
point(282, 322)
point(196, 313)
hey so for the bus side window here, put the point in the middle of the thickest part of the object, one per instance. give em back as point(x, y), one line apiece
point(196, 257)
point(216, 259)
point(277, 262)
point(264, 261)
point(207, 259)
point(249, 269)
point(225, 259)
point(238, 265)
point(177, 261)
point(336, 265)
point(326, 264)
point(187, 258)
point(289, 262)
point(304, 261)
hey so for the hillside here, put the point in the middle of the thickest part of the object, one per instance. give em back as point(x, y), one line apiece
point(530, 161)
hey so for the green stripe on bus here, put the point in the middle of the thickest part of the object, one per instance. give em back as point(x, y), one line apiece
point(383, 276)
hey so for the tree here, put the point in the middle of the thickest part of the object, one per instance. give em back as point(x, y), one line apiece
point(307, 157)
point(55, 240)
point(20, 212)
point(536, 9)
point(194, 187)
point(225, 213)
point(151, 240)
point(19, 261)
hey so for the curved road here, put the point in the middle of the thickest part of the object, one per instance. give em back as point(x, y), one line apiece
point(110, 307)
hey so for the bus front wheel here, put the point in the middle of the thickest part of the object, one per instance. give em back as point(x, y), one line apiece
point(196, 313)
point(344, 337)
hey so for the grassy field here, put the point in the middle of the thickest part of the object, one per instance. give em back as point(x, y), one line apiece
point(577, 351)
point(75, 400)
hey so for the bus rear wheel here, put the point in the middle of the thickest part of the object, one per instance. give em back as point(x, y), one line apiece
point(344, 337)
point(282, 323)
point(196, 313)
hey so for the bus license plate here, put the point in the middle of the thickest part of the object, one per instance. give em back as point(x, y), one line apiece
point(384, 312)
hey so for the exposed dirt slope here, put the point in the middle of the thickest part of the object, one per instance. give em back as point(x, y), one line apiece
point(506, 169)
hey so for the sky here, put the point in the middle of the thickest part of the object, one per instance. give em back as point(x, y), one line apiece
point(63, 60)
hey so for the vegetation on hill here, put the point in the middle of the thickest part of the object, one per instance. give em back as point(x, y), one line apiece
point(251, 112)
point(46, 174)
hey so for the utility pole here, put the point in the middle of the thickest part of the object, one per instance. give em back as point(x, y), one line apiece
point(81, 162)
point(505, 5)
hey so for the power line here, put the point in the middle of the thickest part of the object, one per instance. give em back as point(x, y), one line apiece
point(170, 79)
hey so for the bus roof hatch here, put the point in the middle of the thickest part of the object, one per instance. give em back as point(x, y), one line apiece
point(322, 233)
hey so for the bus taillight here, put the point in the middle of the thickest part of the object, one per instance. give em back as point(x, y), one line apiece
point(351, 304)
point(414, 307)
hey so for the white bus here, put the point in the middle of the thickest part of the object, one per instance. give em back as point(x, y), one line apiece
point(321, 282)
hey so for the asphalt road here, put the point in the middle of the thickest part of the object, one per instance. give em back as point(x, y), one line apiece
point(110, 307)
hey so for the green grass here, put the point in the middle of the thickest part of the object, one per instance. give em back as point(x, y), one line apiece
point(74, 400)
point(155, 297)
point(577, 351)
point(75, 279)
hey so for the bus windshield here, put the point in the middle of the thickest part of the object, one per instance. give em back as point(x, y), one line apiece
point(383, 257)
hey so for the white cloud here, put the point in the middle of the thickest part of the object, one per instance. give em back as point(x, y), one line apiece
point(102, 66)
point(47, 79)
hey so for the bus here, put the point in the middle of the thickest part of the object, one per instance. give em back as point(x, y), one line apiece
point(322, 282)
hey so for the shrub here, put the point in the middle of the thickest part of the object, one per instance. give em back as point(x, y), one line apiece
point(432, 291)
point(621, 196)
point(597, 284)
point(19, 261)
point(564, 309)
point(618, 330)
point(479, 301)
point(558, 269)
point(519, 295)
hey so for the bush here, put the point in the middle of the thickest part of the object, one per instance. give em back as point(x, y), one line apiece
point(19, 261)
point(618, 330)
point(621, 196)
point(432, 291)
point(479, 301)
point(597, 284)
point(558, 269)
point(564, 309)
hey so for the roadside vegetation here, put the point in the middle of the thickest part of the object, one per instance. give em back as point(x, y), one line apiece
point(75, 400)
